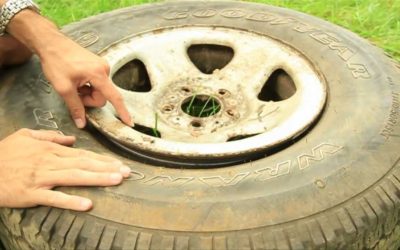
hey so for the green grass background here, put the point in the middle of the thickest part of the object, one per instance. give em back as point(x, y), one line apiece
point(376, 20)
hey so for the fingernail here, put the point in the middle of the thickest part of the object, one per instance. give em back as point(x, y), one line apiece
point(79, 123)
point(125, 171)
point(116, 178)
point(85, 204)
point(130, 122)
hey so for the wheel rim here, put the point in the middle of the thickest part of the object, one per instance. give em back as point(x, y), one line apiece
point(247, 121)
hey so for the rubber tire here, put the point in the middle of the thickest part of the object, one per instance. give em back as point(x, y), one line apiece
point(338, 187)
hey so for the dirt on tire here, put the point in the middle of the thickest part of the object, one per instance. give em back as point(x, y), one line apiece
point(335, 187)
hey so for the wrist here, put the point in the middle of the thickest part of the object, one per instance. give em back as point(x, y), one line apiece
point(10, 8)
point(34, 31)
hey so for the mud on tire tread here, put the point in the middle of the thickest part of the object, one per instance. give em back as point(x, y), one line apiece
point(369, 220)
point(377, 227)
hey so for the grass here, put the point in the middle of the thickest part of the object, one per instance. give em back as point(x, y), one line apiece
point(201, 106)
point(155, 131)
point(208, 108)
point(376, 20)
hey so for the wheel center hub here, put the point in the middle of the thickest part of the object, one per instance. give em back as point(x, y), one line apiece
point(199, 110)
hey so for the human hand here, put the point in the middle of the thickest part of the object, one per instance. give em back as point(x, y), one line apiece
point(12, 51)
point(78, 75)
point(27, 176)
point(82, 79)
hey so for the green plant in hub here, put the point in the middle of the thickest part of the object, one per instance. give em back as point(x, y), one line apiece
point(155, 129)
point(201, 106)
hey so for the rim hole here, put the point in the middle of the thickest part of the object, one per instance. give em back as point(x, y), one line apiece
point(185, 89)
point(209, 57)
point(230, 112)
point(223, 92)
point(201, 106)
point(196, 124)
point(240, 137)
point(168, 108)
point(146, 130)
point(133, 76)
point(280, 86)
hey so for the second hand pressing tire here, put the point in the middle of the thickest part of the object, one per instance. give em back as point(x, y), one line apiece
point(334, 184)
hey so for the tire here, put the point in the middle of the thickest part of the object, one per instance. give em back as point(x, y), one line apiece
point(336, 187)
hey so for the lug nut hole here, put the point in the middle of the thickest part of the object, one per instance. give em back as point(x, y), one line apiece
point(230, 112)
point(185, 90)
point(196, 124)
point(223, 92)
point(168, 108)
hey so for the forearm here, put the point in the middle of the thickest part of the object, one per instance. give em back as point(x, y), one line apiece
point(68, 66)
point(34, 31)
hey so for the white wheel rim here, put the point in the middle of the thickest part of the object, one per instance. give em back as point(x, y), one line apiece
point(170, 69)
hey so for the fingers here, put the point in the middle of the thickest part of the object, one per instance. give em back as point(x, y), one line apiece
point(48, 135)
point(93, 96)
point(86, 89)
point(111, 93)
point(78, 177)
point(74, 104)
point(92, 165)
point(93, 99)
point(80, 153)
point(62, 200)
point(63, 140)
